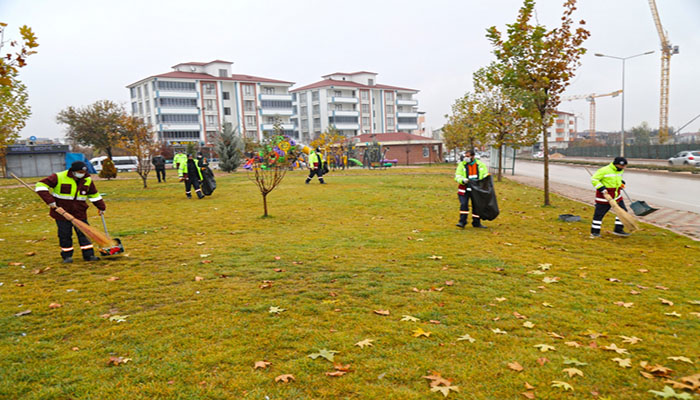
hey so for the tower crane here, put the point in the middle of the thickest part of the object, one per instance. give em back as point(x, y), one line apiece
point(667, 50)
point(591, 99)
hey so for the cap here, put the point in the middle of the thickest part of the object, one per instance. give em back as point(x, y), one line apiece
point(620, 161)
point(78, 166)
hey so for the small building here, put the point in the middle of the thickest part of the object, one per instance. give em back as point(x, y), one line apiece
point(35, 160)
point(403, 147)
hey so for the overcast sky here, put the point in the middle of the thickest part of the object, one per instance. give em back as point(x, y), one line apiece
point(91, 49)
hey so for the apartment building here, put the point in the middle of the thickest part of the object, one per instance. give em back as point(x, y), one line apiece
point(561, 132)
point(353, 103)
point(192, 102)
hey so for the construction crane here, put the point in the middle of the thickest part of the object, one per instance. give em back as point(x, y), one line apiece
point(591, 99)
point(667, 50)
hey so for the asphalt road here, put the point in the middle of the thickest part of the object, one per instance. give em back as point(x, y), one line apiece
point(670, 190)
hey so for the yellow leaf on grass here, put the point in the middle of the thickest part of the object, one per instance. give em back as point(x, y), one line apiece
point(545, 347)
point(420, 332)
point(409, 318)
point(548, 279)
point(515, 366)
point(445, 390)
point(562, 385)
point(528, 324)
point(623, 362)
point(613, 347)
point(261, 364)
point(499, 332)
point(382, 312)
point(285, 378)
point(665, 302)
point(547, 304)
point(500, 299)
point(573, 344)
point(681, 358)
point(555, 335)
point(528, 395)
point(573, 372)
point(466, 337)
point(367, 342)
point(673, 314)
point(623, 304)
point(630, 340)
point(437, 380)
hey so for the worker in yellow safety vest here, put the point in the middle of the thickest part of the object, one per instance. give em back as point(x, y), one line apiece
point(468, 170)
point(608, 179)
point(315, 165)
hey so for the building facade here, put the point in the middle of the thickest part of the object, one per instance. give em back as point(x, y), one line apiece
point(354, 103)
point(402, 148)
point(562, 131)
point(194, 101)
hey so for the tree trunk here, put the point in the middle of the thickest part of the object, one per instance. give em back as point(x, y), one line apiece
point(145, 185)
point(545, 143)
point(109, 152)
point(265, 204)
point(500, 162)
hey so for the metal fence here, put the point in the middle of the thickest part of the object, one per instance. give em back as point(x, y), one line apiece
point(653, 151)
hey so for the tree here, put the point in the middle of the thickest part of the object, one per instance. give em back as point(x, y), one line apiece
point(331, 142)
point(459, 132)
point(137, 138)
point(541, 62)
point(108, 171)
point(11, 63)
point(14, 112)
point(642, 134)
point(230, 149)
point(501, 115)
point(96, 125)
point(271, 161)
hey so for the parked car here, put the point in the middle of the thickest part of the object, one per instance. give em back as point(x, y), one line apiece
point(688, 157)
point(122, 164)
point(539, 154)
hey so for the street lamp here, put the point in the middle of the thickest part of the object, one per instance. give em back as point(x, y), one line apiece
point(622, 131)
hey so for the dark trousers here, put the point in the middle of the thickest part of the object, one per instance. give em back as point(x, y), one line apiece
point(65, 240)
point(464, 209)
point(316, 171)
point(160, 172)
point(188, 187)
point(600, 210)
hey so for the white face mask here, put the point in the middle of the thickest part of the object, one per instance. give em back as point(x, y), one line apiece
point(78, 174)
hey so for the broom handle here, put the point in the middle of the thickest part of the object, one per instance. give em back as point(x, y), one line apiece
point(65, 214)
point(628, 196)
point(22, 182)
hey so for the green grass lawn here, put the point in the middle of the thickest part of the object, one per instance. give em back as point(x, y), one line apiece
point(332, 255)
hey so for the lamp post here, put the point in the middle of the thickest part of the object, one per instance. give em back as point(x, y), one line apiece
point(622, 130)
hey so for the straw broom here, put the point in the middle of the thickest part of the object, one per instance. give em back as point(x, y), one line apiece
point(93, 234)
point(627, 219)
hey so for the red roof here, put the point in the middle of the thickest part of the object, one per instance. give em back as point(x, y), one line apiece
point(250, 78)
point(333, 82)
point(201, 63)
point(390, 137)
point(350, 73)
point(202, 76)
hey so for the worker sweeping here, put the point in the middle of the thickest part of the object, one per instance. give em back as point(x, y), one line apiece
point(473, 170)
point(69, 190)
point(192, 174)
point(608, 179)
point(316, 166)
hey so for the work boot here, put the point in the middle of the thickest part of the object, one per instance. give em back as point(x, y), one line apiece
point(189, 196)
point(200, 195)
point(476, 223)
point(68, 260)
point(621, 233)
point(595, 235)
point(307, 181)
point(92, 258)
point(460, 224)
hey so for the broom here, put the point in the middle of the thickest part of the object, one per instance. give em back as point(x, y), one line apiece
point(627, 219)
point(95, 236)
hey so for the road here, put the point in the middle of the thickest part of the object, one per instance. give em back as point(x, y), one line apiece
point(669, 190)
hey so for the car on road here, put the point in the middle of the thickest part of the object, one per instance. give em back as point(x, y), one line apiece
point(688, 157)
point(539, 154)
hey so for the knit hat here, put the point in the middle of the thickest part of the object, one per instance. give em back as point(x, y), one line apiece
point(620, 161)
point(78, 166)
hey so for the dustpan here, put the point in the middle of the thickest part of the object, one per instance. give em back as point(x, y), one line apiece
point(640, 207)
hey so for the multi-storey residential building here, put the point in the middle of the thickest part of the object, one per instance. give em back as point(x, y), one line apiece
point(561, 132)
point(192, 102)
point(353, 103)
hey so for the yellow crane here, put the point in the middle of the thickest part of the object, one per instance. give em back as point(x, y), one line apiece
point(591, 99)
point(667, 50)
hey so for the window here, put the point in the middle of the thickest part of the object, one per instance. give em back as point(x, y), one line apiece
point(408, 120)
point(370, 82)
point(304, 111)
point(209, 105)
point(389, 96)
point(211, 120)
point(227, 95)
point(389, 110)
point(270, 120)
point(316, 109)
point(364, 94)
point(178, 118)
point(390, 121)
point(314, 96)
point(181, 134)
point(339, 107)
point(176, 86)
point(342, 120)
point(276, 104)
point(227, 110)
point(304, 124)
point(134, 108)
point(365, 109)
point(365, 122)
point(133, 92)
point(426, 152)
point(223, 73)
point(177, 102)
point(145, 89)
point(268, 90)
point(302, 98)
point(250, 120)
point(139, 92)
point(209, 89)
point(149, 121)
point(140, 108)
point(248, 90)
point(337, 93)
point(251, 134)
point(148, 106)
point(317, 123)
point(249, 105)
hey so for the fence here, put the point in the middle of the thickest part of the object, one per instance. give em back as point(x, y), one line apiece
point(654, 151)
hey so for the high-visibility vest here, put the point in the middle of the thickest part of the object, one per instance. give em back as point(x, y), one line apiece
point(608, 177)
point(183, 169)
point(478, 171)
point(59, 191)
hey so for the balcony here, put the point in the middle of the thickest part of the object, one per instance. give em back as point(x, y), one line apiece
point(188, 95)
point(277, 111)
point(407, 127)
point(343, 100)
point(282, 97)
point(179, 127)
point(406, 115)
point(348, 126)
point(271, 127)
point(400, 102)
point(177, 110)
point(345, 113)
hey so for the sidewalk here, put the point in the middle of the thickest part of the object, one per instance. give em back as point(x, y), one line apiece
point(682, 222)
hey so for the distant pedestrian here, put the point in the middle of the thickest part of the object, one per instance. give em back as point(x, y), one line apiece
point(192, 175)
point(159, 163)
point(608, 179)
point(468, 170)
point(315, 166)
point(179, 159)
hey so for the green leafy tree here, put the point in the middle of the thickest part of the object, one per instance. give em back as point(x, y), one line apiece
point(108, 171)
point(229, 146)
point(14, 112)
point(191, 148)
point(460, 131)
point(16, 58)
point(97, 125)
point(642, 134)
point(541, 62)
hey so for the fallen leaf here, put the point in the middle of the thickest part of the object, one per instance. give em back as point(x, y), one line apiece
point(657, 370)
point(285, 378)
point(550, 280)
point(573, 361)
point(528, 324)
point(573, 344)
point(275, 310)
point(54, 305)
point(661, 287)
point(367, 342)
point(681, 358)
point(336, 373)
point(382, 312)
point(673, 314)
point(562, 385)
point(678, 385)
point(434, 257)
point(466, 337)
point(642, 270)
point(547, 305)
point(634, 292)
point(545, 347)
point(518, 315)
point(697, 314)
point(499, 332)
point(515, 366)
point(204, 255)
point(327, 354)
point(593, 334)
point(21, 313)
point(528, 386)
point(647, 375)
point(694, 302)
point(445, 390)
point(666, 302)
point(31, 253)
point(449, 283)
point(573, 372)
point(437, 380)
point(118, 360)
point(500, 299)
point(528, 395)
point(692, 380)
point(613, 347)
point(261, 364)
point(434, 322)
point(623, 362)
point(420, 332)
point(542, 360)
point(668, 392)
point(112, 278)
point(118, 318)
point(630, 340)
point(206, 261)
point(409, 318)
point(278, 258)
point(555, 335)
point(623, 304)
point(613, 280)
point(198, 278)
point(536, 272)
point(15, 264)
point(544, 267)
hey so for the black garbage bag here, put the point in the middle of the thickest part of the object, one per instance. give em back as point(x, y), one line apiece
point(208, 182)
point(484, 200)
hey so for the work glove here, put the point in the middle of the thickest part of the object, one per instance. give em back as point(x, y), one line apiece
point(101, 212)
point(53, 205)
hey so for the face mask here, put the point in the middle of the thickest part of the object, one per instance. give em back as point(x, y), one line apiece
point(78, 174)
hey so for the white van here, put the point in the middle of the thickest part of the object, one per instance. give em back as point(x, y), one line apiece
point(122, 163)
